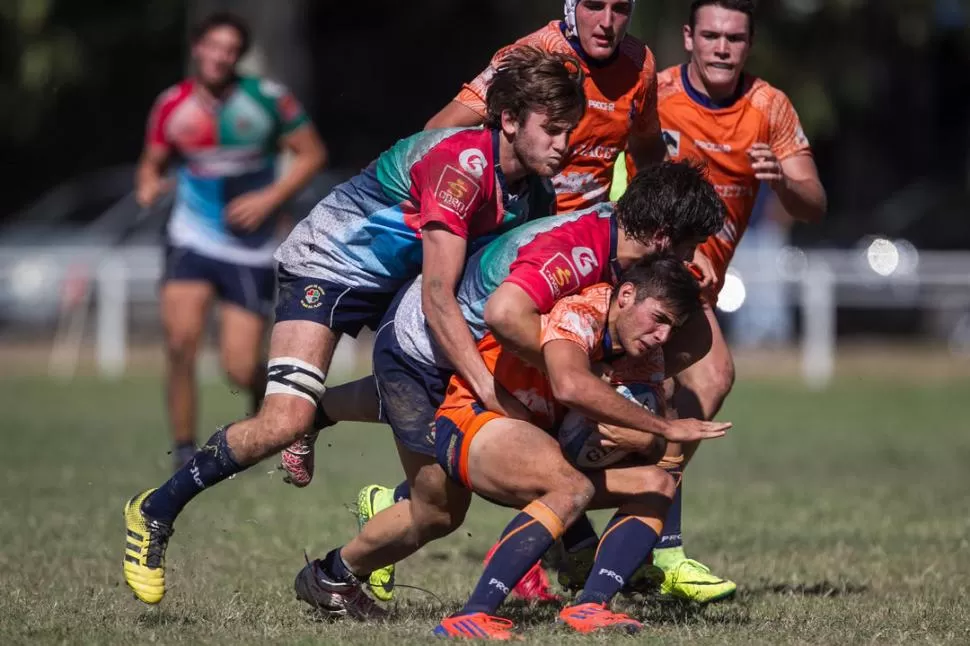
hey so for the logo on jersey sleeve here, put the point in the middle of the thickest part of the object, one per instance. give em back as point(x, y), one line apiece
point(472, 161)
point(800, 138)
point(672, 141)
point(585, 260)
point(456, 191)
point(561, 275)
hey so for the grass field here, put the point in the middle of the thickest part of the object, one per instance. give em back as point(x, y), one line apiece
point(843, 515)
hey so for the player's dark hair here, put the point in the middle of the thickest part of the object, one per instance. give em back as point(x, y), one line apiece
point(747, 7)
point(673, 197)
point(531, 80)
point(667, 279)
point(222, 19)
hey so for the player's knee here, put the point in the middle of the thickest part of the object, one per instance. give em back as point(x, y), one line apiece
point(241, 372)
point(182, 350)
point(432, 522)
point(578, 491)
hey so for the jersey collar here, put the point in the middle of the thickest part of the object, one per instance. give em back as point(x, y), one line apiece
point(706, 101)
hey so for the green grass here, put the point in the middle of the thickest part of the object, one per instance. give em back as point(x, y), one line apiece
point(843, 516)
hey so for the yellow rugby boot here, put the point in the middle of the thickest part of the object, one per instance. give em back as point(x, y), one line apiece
point(145, 543)
point(371, 500)
point(688, 579)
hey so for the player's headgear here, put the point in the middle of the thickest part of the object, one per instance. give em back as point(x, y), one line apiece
point(569, 8)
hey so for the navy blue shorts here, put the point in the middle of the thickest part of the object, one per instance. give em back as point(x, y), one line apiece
point(409, 391)
point(343, 309)
point(251, 288)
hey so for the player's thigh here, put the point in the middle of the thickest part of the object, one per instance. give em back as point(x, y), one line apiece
point(184, 309)
point(354, 401)
point(515, 462)
point(714, 371)
point(617, 486)
point(241, 335)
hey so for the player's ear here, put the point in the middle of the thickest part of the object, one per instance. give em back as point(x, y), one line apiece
point(510, 124)
point(688, 39)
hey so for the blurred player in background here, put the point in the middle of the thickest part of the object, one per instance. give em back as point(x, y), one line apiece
point(417, 209)
point(224, 131)
point(746, 132)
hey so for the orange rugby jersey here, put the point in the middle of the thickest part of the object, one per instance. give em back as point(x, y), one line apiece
point(621, 99)
point(720, 138)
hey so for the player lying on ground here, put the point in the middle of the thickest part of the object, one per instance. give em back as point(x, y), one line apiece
point(746, 132)
point(669, 207)
point(620, 83)
point(517, 462)
point(417, 207)
point(224, 130)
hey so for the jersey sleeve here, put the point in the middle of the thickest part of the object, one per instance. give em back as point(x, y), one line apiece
point(155, 133)
point(579, 319)
point(447, 194)
point(472, 94)
point(289, 113)
point(786, 136)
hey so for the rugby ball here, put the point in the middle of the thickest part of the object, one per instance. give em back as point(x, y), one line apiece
point(580, 438)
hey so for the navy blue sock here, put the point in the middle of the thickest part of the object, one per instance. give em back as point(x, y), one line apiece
point(671, 536)
point(580, 535)
point(524, 542)
point(212, 464)
point(333, 565)
point(626, 542)
point(402, 492)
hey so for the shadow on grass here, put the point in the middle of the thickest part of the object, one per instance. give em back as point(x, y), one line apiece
point(159, 618)
point(820, 589)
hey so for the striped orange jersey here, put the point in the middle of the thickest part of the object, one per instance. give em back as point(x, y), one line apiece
point(720, 137)
point(621, 96)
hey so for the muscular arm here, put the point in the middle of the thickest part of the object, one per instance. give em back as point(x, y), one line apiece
point(575, 386)
point(514, 319)
point(148, 177)
point(646, 151)
point(444, 261)
point(309, 156)
point(454, 115)
point(800, 190)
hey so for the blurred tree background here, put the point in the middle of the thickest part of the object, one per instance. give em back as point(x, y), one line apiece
point(881, 87)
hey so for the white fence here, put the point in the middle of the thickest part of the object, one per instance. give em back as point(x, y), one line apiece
point(59, 286)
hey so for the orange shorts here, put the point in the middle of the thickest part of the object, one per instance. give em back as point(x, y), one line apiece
point(461, 416)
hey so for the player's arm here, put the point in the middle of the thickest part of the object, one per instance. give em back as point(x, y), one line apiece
point(514, 319)
point(645, 144)
point(444, 262)
point(150, 175)
point(576, 386)
point(455, 115)
point(800, 191)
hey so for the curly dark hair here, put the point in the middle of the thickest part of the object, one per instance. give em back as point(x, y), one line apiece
point(222, 19)
point(665, 278)
point(673, 197)
point(747, 7)
point(531, 80)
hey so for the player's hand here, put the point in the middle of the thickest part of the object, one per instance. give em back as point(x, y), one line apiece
point(692, 430)
point(703, 269)
point(765, 164)
point(148, 190)
point(503, 402)
point(250, 210)
point(627, 439)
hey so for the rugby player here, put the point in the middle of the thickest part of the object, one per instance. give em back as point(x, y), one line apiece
point(416, 209)
point(223, 130)
point(470, 441)
point(746, 132)
point(670, 207)
point(620, 85)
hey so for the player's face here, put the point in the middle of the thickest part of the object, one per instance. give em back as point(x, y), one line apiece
point(539, 143)
point(642, 326)
point(718, 46)
point(601, 25)
point(216, 55)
